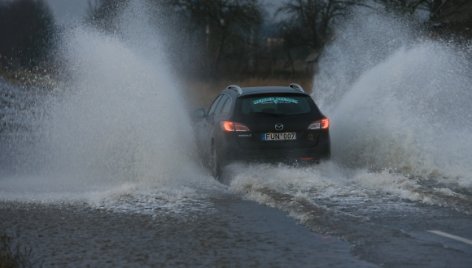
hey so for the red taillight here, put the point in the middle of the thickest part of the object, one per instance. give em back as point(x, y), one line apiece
point(320, 124)
point(229, 126)
point(324, 123)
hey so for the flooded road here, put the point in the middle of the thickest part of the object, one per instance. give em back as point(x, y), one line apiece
point(232, 233)
point(227, 229)
point(102, 169)
point(381, 228)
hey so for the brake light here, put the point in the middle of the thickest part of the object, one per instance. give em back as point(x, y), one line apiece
point(229, 126)
point(324, 123)
point(320, 124)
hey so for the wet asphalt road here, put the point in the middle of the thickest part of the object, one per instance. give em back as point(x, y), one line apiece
point(238, 233)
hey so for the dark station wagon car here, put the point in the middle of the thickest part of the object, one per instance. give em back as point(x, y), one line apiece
point(262, 124)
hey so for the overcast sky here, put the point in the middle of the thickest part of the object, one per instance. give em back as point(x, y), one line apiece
point(70, 11)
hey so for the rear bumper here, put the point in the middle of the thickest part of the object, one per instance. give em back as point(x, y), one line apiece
point(233, 151)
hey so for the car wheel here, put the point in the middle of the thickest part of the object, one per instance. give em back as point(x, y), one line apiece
point(215, 164)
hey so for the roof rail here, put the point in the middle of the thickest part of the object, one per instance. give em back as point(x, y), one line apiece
point(237, 88)
point(296, 87)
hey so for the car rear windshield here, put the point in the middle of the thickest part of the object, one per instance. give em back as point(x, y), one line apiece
point(289, 104)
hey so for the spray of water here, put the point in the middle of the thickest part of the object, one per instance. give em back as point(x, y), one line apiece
point(405, 107)
point(117, 123)
point(117, 128)
point(400, 106)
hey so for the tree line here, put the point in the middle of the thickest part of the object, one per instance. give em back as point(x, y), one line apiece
point(225, 36)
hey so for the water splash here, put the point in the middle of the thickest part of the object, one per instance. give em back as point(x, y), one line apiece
point(399, 103)
point(402, 103)
point(116, 124)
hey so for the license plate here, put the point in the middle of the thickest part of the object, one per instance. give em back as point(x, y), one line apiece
point(282, 136)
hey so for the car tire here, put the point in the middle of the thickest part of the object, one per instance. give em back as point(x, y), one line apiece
point(215, 164)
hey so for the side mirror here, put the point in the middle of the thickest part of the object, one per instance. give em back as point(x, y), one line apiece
point(199, 114)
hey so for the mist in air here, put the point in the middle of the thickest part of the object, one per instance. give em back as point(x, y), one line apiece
point(399, 104)
point(398, 100)
point(116, 119)
point(116, 124)
point(98, 158)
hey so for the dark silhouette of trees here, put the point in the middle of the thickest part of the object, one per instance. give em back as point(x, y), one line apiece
point(213, 37)
point(27, 33)
point(452, 16)
point(308, 25)
point(444, 16)
point(309, 22)
point(313, 20)
point(228, 29)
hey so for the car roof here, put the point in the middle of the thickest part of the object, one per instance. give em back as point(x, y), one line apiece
point(247, 91)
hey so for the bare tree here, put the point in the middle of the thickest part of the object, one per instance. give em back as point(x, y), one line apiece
point(445, 16)
point(308, 24)
point(313, 20)
point(227, 25)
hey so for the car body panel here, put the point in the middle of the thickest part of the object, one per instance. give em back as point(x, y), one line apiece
point(250, 146)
